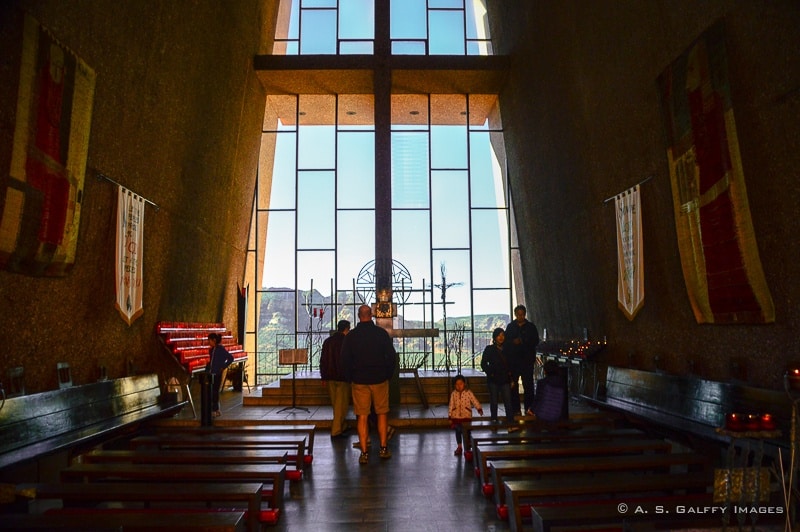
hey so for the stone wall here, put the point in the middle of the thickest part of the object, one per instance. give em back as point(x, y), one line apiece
point(582, 119)
point(177, 119)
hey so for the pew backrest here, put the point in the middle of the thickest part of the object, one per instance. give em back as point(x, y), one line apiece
point(686, 403)
point(35, 425)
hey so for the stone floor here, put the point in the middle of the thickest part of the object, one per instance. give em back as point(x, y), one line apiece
point(422, 487)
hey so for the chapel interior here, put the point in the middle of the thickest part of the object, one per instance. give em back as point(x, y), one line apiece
point(180, 102)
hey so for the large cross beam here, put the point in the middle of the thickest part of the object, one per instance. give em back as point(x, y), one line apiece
point(385, 75)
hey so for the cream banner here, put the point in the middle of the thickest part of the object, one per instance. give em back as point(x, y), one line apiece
point(130, 232)
point(630, 283)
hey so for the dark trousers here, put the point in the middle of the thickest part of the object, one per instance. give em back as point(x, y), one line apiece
point(523, 370)
point(216, 386)
point(496, 392)
point(459, 430)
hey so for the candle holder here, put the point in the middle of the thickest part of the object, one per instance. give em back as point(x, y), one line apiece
point(735, 422)
point(752, 422)
point(767, 422)
point(791, 380)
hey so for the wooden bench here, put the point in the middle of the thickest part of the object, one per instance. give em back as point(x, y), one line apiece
point(295, 443)
point(161, 456)
point(575, 421)
point(187, 342)
point(615, 488)
point(502, 470)
point(581, 448)
point(308, 430)
point(128, 521)
point(36, 425)
point(644, 513)
point(271, 474)
point(538, 436)
point(685, 404)
point(70, 493)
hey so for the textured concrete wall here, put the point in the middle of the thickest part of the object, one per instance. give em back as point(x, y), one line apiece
point(582, 120)
point(177, 119)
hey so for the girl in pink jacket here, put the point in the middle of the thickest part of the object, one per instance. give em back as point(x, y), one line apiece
point(462, 400)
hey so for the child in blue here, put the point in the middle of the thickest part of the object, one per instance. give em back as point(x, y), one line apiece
point(462, 401)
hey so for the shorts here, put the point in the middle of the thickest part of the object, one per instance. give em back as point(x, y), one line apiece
point(366, 395)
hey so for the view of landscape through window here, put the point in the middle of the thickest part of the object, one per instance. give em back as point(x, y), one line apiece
point(452, 228)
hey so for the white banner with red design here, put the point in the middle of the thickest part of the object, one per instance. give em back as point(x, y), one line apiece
point(130, 237)
point(630, 281)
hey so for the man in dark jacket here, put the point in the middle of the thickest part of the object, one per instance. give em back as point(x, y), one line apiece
point(369, 361)
point(522, 337)
point(332, 373)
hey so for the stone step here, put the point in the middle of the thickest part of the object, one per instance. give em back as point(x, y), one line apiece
point(308, 389)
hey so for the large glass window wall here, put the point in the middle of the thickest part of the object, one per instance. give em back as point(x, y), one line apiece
point(312, 250)
point(347, 27)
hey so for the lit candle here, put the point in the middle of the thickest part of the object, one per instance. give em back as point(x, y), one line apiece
point(734, 422)
point(793, 378)
point(753, 422)
point(767, 422)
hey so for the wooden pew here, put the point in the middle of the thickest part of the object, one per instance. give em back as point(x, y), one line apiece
point(128, 522)
point(686, 404)
point(538, 436)
point(258, 456)
point(576, 421)
point(291, 442)
point(617, 487)
point(272, 474)
point(642, 513)
point(502, 470)
point(564, 449)
point(308, 430)
point(36, 425)
point(72, 493)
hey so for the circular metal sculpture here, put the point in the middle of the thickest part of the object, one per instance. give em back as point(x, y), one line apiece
point(401, 283)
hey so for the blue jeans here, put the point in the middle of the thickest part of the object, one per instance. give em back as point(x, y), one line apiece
point(495, 392)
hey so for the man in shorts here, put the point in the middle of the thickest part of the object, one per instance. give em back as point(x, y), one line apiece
point(369, 361)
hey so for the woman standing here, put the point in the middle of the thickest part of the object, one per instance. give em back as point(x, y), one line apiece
point(220, 359)
point(498, 375)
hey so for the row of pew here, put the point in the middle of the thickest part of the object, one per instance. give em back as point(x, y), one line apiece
point(589, 471)
point(175, 477)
